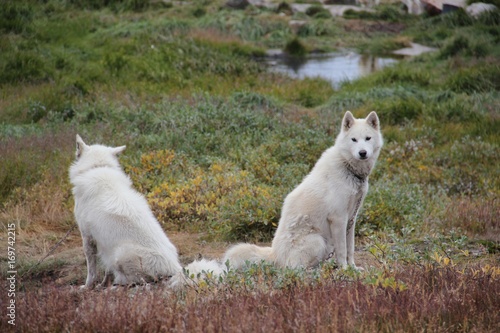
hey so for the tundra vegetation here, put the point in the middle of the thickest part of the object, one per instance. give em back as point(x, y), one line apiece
point(215, 142)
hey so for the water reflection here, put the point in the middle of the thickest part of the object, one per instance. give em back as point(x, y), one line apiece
point(336, 68)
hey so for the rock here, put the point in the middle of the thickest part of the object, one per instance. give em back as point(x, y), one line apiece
point(415, 7)
point(341, 2)
point(437, 6)
point(339, 10)
point(237, 4)
point(476, 9)
point(274, 53)
point(414, 50)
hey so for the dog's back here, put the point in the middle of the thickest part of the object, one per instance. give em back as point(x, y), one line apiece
point(117, 219)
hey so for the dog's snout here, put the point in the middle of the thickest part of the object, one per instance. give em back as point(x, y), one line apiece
point(362, 154)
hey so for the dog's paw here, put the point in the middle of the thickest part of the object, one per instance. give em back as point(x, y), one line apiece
point(83, 288)
point(356, 268)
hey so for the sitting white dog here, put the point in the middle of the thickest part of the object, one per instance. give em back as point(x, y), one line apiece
point(116, 222)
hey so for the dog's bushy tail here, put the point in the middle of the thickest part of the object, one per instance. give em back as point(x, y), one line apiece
point(240, 254)
point(197, 271)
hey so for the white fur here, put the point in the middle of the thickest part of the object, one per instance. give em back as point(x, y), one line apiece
point(116, 222)
point(319, 215)
point(199, 270)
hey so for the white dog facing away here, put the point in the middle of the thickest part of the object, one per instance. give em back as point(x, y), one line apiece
point(116, 222)
point(319, 215)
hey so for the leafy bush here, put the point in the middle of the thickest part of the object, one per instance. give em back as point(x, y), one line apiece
point(228, 200)
point(402, 74)
point(391, 13)
point(475, 79)
point(295, 48)
point(28, 67)
point(317, 11)
point(461, 44)
point(393, 205)
point(399, 110)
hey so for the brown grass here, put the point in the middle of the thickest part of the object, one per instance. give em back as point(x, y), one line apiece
point(437, 300)
point(477, 217)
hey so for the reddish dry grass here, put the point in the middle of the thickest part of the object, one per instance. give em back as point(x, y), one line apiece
point(437, 300)
point(477, 217)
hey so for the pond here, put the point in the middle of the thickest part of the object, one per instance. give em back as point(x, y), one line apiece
point(333, 67)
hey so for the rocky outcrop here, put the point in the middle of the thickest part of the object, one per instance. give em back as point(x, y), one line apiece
point(476, 9)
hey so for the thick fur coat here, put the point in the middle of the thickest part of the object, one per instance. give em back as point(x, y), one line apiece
point(116, 222)
point(319, 216)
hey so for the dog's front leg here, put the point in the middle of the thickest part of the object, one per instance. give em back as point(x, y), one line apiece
point(351, 226)
point(90, 250)
point(350, 241)
point(338, 228)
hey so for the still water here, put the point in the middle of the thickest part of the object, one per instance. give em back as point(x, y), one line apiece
point(334, 67)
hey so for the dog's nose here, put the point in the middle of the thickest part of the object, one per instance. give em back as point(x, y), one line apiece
point(362, 154)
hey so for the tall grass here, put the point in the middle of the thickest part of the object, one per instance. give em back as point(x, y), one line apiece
point(435, 299)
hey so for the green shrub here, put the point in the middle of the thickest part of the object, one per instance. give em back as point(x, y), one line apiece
point(458, 18)
point(295, 48)
point(403, 74)
point(451, 107)
point(384, 46)
point(199, 12)
point(393, 205)
point(399, 110)
point(15, 16)
point(24, 66)
point(475, 79)
point(229, 200)
point(319, 28)
point(318, 11)
point(390, 13)
point(284, 7)
point(133, 5)
point(463, 45)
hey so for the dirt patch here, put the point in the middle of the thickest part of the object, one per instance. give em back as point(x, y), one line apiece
point(67, 266)
point(192, 246)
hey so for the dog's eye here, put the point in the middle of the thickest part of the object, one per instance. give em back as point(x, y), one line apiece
point(354, 140)
point(368, 138)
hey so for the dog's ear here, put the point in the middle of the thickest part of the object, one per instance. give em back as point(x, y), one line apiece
point(118, 150)
point(80, 146)
point(348, 121)
point(373, 121)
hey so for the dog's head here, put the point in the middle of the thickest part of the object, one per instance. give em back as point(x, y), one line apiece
point(94, 156)
point(361, 137)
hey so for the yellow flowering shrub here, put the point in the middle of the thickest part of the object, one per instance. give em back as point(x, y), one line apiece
point(222, 199)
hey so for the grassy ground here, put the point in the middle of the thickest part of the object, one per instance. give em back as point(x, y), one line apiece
point(215, 143)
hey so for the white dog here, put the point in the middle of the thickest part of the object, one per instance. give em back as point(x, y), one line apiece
point(116, 222)
point(319, 215)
